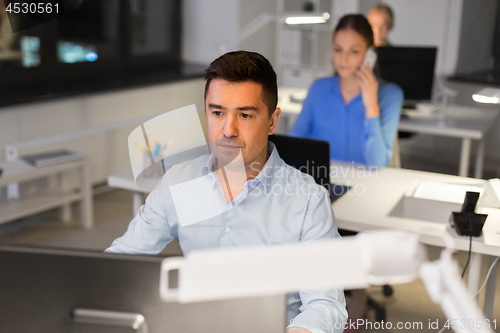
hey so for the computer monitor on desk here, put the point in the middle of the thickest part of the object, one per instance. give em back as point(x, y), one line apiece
point(412, 68)
point(51, 290)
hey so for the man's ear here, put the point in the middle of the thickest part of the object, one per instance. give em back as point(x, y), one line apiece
point(274, 120)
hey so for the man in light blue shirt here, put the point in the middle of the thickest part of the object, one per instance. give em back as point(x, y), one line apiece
point(242, 194)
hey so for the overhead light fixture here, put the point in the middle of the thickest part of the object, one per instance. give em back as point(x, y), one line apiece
point(289, 18)
point(301, 18)
point(487, 95)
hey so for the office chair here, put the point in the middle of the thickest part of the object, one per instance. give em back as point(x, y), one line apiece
point(300, 152)
point(396, 157)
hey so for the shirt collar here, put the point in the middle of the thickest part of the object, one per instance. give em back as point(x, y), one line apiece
point(209, 166)
point(265, 175)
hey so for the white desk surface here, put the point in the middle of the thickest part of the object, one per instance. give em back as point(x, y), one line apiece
point(379, 206)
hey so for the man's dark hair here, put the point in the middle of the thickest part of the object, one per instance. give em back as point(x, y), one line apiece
point(244, 66)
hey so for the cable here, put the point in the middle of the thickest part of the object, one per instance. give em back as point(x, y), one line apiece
point(487, 277)
point(468, 259)
point(463, 273)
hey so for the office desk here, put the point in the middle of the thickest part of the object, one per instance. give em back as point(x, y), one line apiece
point(374, 202)
point(377, 207)
point(460, 122)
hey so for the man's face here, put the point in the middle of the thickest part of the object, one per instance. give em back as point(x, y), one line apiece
point(238, 120)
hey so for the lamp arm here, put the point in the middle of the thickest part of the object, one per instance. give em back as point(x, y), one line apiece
point(376, 258)
point(444, 286)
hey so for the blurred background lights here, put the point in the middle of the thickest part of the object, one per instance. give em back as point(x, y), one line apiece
point(91, 56)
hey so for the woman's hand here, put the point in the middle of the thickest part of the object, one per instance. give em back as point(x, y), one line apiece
point(369, 90)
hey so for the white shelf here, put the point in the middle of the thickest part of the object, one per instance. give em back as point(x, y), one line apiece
point(13, 210)
point(18, 171)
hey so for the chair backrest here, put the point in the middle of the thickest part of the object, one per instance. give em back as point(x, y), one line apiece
point(307, 155)
point(396, 157)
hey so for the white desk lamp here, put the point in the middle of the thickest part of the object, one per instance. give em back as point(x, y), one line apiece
point(387, 257)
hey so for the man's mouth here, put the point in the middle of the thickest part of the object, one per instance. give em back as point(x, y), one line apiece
point(229, 146)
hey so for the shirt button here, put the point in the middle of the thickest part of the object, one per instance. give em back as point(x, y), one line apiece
point(227, 229)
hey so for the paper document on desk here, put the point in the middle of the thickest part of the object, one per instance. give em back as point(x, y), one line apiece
point(447, 192)
point(434, 201)
point(491, 197)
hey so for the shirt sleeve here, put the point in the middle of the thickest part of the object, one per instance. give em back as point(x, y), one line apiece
point(380, 131)
point(322, 310)
point(149, 231)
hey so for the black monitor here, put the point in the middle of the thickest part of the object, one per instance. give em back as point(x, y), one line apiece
point(51, 290)
point(411, 68)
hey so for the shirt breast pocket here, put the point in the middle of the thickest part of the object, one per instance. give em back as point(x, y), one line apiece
point(201, 235)
point(283, 225)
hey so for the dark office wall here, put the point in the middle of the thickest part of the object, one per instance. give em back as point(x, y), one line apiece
point(476, 36)
point(496, 42)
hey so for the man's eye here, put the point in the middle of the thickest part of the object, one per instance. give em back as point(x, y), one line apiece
point(244, 115)
point(217, 113)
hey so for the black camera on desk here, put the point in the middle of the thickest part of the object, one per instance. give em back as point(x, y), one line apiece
point(468, 222)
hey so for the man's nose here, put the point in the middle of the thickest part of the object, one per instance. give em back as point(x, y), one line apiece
point(231, 126)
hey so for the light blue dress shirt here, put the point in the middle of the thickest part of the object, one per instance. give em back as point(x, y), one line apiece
point(352, 137)
point(281, 205)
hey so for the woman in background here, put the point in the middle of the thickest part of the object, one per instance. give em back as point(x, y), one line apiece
point(354, 111)
point(381, 19)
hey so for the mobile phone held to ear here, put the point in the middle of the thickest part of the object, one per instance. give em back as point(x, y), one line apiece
point(370, 58)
